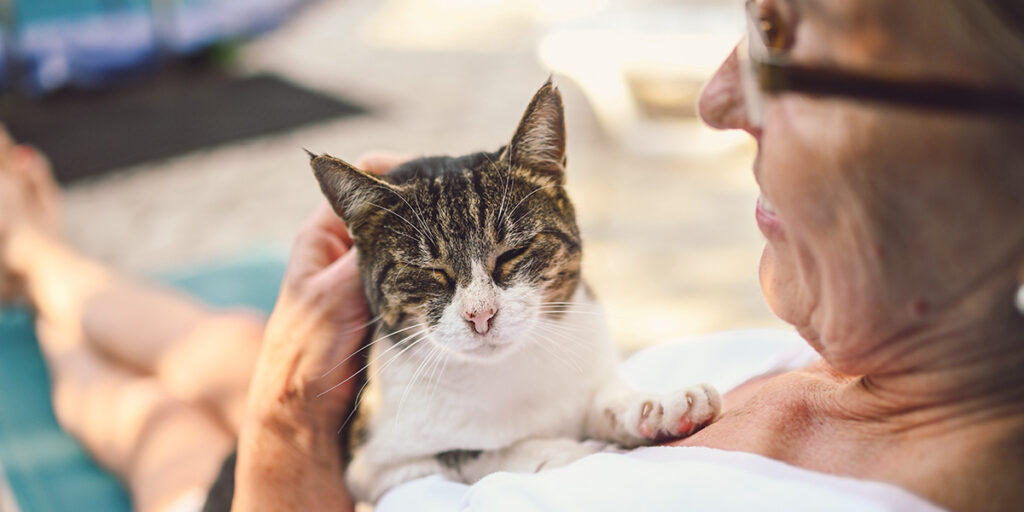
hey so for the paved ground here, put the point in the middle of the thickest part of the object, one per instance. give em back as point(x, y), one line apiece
point(671, 245)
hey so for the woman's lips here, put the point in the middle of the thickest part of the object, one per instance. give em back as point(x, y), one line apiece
point(767, 219)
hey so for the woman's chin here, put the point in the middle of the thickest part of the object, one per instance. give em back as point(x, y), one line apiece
point(778, 288)
point(766, 276)
point(782, 294)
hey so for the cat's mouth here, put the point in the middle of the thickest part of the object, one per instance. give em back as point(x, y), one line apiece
point(487, 346)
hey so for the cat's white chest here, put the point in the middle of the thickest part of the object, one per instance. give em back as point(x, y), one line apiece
point(542, 389)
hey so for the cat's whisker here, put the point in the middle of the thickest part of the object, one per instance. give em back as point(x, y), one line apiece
point(566, 335)
point(355, 407)
point(422, 336)
point(561, 355)
point(547, 345)
point(553, 312)
point(550, 347)
point(563, 310)
point(557, 307)
point(428, 378)
point(494, 165)
point(370, 344)
point(569, 335)
point(357, 372)
point(416, 212)
point(513, 210)
point(569, 307)
point(412, 381)
point(407, 221)
point(442, 355)
point(514, 224)
point(579, 305)
point(400, 233)
point(504, 191)
point(363, 325)
point(419, 213)
point(556, 327)
point(440, 375)
point(359, 395)
point(508, 177)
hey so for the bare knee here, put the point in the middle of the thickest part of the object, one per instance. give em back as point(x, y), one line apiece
point(214, 362)
point(131, 425)
point(111, 414)
point(164, 448)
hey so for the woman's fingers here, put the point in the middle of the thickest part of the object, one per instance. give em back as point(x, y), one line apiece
point(325, 238)
point(326, 219)
point(380, 162)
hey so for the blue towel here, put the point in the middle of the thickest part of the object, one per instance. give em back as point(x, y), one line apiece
point(46, 469)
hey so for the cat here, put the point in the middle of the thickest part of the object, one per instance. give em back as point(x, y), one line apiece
point(491, 354)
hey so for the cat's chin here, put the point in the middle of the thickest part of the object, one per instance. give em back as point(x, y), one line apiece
point(487, 350)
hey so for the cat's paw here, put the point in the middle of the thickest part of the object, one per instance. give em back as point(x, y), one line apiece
point(674, 415)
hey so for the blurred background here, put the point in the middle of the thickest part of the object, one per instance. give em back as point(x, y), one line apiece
point(176, 127)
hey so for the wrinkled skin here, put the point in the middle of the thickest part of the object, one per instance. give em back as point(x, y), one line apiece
point(895, 248)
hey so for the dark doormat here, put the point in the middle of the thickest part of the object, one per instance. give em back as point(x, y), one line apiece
point(88, 133)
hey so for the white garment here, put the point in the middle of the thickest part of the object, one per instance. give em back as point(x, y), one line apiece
point(672, 478)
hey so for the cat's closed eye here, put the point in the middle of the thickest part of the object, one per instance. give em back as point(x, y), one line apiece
point(416, 279)
point(443, 276)
point(505, 261)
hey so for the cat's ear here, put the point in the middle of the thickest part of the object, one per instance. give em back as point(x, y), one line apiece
point(349, 190)
point(539, 142)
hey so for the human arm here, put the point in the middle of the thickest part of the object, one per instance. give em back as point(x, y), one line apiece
point(288, 448)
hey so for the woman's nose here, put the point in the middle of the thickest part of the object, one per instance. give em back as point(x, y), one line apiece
point(722, 104)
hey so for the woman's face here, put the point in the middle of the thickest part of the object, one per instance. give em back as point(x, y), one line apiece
point(876, 217)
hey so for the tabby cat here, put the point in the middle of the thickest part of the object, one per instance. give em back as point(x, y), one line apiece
point(490, 354)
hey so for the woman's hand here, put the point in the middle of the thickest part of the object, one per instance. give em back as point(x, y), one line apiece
point(301, 393)
point(319, 321)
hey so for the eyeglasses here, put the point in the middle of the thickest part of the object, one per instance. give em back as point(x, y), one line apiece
point(767, 73)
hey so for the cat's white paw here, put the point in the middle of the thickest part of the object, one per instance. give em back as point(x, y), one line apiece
point(674, 415)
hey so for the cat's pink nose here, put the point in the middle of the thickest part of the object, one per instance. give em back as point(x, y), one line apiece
point(480, 320)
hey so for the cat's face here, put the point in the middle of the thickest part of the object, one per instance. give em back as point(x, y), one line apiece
point(477, 250)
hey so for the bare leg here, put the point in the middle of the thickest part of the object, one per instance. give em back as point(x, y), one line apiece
point(160, 446)
point(198, 354)
point(152, 383)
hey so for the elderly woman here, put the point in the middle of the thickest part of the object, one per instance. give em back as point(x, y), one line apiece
point(892, 177)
